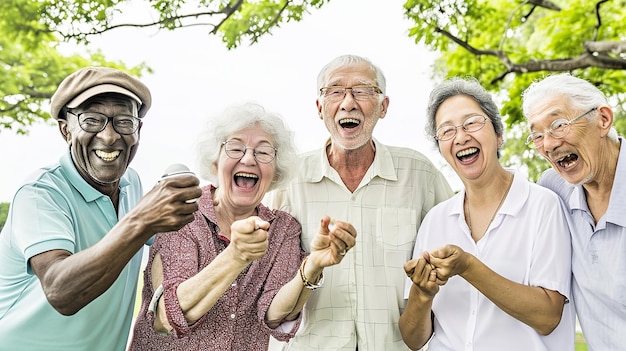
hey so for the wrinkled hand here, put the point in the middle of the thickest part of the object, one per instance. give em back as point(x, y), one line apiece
point(248, 239)
point(332, 242)
point(165, 207)
point(423, 275)
point(449, 260)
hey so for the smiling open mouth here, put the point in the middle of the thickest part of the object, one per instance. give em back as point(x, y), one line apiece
point(467, 153)
point(349, 123)
point(567, 161)
point(107, 156)
point(246, 180)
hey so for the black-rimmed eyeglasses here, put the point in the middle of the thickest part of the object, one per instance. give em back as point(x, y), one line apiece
point(558, 129)
point(262, 153)
point(95, 122)
point(470, 125)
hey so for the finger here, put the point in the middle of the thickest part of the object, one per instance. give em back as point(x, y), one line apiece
point(338, 247)
point(324, 225)
point(409, 267)
point(345, 237)
point(432, 276)
point(344, 227)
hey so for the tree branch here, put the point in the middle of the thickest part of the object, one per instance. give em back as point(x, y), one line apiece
point(228, 11)
point(595, 57)
point(598, 18)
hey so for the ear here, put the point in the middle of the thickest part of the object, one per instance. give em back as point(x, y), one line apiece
point(319, 109)
point(63, 128)
point(385, 105)
point(605, 119)
point(135, 147)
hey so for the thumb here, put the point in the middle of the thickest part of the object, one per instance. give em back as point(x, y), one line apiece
point(325, 225)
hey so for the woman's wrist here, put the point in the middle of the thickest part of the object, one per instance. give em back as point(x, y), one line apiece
point(310, 280)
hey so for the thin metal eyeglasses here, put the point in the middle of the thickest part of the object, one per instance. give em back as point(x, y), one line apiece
point(558, 129)
point(262, 153)
point(95, 122)
point(359, 92)
point(470, 125)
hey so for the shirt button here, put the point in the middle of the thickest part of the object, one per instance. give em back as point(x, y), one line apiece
point(232, 316)
point(233, 284)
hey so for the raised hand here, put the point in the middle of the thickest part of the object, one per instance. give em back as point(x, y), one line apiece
point(167, 207)
point(332, 242)
point(248, 239)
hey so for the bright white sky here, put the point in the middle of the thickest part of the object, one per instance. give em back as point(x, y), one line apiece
point(195, 76)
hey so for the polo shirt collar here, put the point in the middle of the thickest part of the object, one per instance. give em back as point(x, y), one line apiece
point(515, 199)
point(88, 192)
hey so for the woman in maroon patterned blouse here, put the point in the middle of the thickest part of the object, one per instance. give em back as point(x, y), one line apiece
point(237, 273)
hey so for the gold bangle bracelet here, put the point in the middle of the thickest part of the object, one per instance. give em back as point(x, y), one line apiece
point(307, 284)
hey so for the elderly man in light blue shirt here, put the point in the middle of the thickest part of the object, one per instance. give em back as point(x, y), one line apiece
point(571, 125)
point(70, 250)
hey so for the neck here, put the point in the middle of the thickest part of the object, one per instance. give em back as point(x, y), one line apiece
point(598, 188)
point(481, 210)
point(601, 182)
point(351, 165)
point(226, 213)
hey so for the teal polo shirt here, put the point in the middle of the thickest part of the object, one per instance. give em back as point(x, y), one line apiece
point(57, 209)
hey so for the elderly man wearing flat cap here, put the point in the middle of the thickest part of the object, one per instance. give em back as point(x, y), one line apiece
point(70, 251)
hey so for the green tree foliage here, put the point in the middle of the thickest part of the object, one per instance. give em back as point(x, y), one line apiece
point(232, 20)
point(32, 31)
point(4, 212)
point(507, 44)
point(31, 65)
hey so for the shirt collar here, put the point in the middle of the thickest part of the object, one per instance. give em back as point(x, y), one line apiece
point(514, 201)
point(88, 192)
point(382, 166)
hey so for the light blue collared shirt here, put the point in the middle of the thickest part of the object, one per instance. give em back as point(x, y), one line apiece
point(58, 210)
point(599, 259)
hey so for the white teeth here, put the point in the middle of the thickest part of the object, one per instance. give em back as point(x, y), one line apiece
point(247, 175)
point(107, 156)
point(466, 152)
point(349, 120)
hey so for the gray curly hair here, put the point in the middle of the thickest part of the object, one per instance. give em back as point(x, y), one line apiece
point(219, 128)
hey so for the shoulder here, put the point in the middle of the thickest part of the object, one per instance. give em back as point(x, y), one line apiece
point(132, 176)
point(401, 152)
point(550, 179)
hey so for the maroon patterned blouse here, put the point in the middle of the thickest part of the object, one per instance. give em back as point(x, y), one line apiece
point(236, 321)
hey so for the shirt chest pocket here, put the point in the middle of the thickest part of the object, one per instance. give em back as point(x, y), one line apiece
point(395, 232)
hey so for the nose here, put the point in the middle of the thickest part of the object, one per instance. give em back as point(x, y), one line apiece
point(108, 134)
point(248, 157)
point(461, 136)
point(348, 103)
point(549, 142)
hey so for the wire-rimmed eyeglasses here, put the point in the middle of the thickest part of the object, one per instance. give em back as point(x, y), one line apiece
point(262, 153)
point(359, 92)
point(558, 129)
point(95, 122)
point(470, 125)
